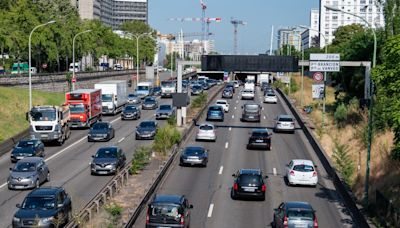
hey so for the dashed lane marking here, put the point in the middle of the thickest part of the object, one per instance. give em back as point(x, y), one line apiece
point(210, 210)
point(220, 170)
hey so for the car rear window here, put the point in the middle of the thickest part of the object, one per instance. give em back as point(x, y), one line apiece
point(249, 180)
point(169, 210)
point(193, 151)
point(206, 127)
point(303, 168)
point(251, 107)
point(304, 214)
point(221, 102)
point(260, 134)
point(271, 95)
point(286, 119)
point(212, 108)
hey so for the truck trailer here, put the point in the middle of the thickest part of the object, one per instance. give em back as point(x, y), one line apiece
point(85, 107)
point(113, 95)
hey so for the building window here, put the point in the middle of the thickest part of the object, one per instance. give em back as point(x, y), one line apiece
point(334, 17)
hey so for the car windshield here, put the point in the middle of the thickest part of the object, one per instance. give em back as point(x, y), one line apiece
point(39, 203)
point(221, 102)
point(43, 115)
point(169, 210)
point(197, 87)
point(147, 124)
point(303, 214)
point(130, 108)
point(303, 168)
point(165, 107)
point(25, 144)
point(25, 167)
point(106, 153)
point(142, 88)
point(168, 84)
point(106, 97)
point(76, 108)
point(149, 100)
point(99, 126)
point(214, 108)
point(132, 96)
point(206, 127)
point(285, 119)
point(191, 151)
point(249, 180)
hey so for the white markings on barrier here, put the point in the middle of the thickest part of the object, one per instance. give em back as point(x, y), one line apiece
point(233, 116)
point(274, 171)
point(121, 140)
point(220, 170)
point(265, 117)
point(230, 128)
point(226, 145)
point(210, 210)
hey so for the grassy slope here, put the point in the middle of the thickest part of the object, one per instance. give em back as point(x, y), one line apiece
point(15, 103)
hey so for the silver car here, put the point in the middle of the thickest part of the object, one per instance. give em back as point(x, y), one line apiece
point(284, 123)
point(165, 112)
point(133, 99)
point(294, 214)
point(28, 173)
point(206, 132)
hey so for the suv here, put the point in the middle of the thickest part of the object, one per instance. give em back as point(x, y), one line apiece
point(44, 207)
point(295, 214)
point(284, 123)
point(107, 160)
point(27, 148)
point(215, 112)
point(168, 211)
point(260, 138)
point(248, 183)
point(251, 112)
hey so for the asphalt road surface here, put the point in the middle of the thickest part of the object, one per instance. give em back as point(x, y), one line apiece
point(208, 189)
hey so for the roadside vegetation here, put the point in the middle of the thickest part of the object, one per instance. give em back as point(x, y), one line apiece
point(14, 104)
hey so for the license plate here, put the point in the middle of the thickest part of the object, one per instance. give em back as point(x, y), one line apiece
point(44, 135)
point(251, 117)
point(20, 157)
point(102, 172)
point(249, 189)
point(259, 141)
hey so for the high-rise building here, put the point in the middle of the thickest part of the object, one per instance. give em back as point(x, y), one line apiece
point(311, 34)
point(112, 12)
point(290, 36)
point(370, 10)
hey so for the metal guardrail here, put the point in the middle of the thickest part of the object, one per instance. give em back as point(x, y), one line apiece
point(8, 144)
point(348, 198)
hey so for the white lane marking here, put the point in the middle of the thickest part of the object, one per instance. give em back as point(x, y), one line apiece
point(265, 117)
point(226, 145)
point(210, 210)
point(237, 102)
point(121, 140)
point(233, 116)
point(235, 108)
point(3, 185)
point(220, 170)
point(230, 128)
point(274, 171)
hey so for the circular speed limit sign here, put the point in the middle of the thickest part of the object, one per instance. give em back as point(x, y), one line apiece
point(318, 76)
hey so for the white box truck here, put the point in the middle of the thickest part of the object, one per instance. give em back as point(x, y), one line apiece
point(113, 95)
point(262, 78)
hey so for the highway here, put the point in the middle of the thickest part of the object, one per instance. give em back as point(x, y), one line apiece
point(208, 189)
point(69, 164)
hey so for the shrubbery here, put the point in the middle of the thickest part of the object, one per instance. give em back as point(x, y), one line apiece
point(165, 138)
point(340, 115)
point(141, 158)
point(199, 101)
point(343, 161)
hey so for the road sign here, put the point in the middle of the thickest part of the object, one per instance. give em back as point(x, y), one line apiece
point(318, 91)
point(325, 66)
point(318, 76)
point(325, 57)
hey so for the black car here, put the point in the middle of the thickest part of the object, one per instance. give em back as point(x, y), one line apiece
point(294, 214)
point(101, 131)
point(27, 148)
point(196, 90)
point(107, 160)
point(194, 155)
point(130, 112)
point(150, 103)
point(251, 112)
point(146, 129)
point(168, 211)
point(157, 91)
point(44, 207)
point(227, 93)
point(260, 139)
point(248, 183)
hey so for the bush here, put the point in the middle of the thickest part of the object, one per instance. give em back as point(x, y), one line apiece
point(165, 138)
point(172, 120)
point(199, 101)
point(340, 115)
point(141, 158)
point(115, 211)
point(343, 162)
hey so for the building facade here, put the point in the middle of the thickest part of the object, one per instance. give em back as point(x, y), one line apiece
point(330, 20)
point(309, 34)
point(290, 36)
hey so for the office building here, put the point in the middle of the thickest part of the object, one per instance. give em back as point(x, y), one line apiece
point(370, 10)
point(290, 36)
point(310, 35)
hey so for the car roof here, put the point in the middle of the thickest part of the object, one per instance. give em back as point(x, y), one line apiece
point(31, 159)
point(176, 199)
point(45, 191)
point(298, 205)
point(302, 162)
point(285, 116)
point(250, 171)
point(29, 140)
point(215, 106)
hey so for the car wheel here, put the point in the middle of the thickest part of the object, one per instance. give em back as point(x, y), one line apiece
point(233, 195)
point(48, 177)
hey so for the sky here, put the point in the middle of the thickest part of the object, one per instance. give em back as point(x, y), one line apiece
point(253, 38)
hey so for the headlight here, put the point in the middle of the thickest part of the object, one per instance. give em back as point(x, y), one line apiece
point(137, 132)
point(15, 219)
point(47, 220)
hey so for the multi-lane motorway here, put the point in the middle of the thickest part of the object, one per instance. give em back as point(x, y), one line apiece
point(208, 189)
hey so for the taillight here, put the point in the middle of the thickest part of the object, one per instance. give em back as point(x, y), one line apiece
point(81, 117)
point(292, 173)
point(315, 222)
point(263, 188)
point(314, 174)
point(292, 124)
point(182, 220)
point(147, 217)
point(285, 222)
point(235, 186)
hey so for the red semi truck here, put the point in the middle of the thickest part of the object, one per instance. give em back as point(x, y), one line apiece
point(85, 107)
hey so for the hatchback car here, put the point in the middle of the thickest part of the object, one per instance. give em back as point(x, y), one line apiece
point(194, 155)
point(295, 214)
point(196, 90)
point(149, 103)
point(206, 132)
point(168, 211)
point(28, 173)
point(101, 131)
point(165, 112)
point(133, 99)
point(146, 129)
point(284, 123)
point(44, 207)
point(215, 112)
point(107, 160)
point(130, 112)
point(249, 183)
point(227, 93)
point(301, 172)
point(230, 85)
point(27, 148)
point(224, 104)
point(247, 94)
point(270, 98)
point(157, 91)
point(236, 84)
point(251, 112)
point(260, 139)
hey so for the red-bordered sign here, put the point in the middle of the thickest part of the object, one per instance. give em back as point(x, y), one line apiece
point(318, 76)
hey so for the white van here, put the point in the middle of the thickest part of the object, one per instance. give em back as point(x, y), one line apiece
point(77, 67)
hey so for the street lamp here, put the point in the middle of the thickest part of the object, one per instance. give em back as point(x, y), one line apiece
point(73, 57)
point(138, 36)
point(30, 61)
point(366, 187)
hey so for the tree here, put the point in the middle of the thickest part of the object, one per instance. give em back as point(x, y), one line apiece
point(168, 61)
point(343, 162)
point(345, 33)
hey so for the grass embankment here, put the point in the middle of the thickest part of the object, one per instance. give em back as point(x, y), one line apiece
point(15, 103)
point(352, 138)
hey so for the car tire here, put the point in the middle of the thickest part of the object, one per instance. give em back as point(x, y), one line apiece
point(233, 195)
point(262, 198)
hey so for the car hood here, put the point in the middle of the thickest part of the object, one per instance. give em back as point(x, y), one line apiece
point(100, 131)
point(22, 174)
point(145, 129)
point(23, 150)
point(32, 214)
point(149, 103)
point(129, 112)
point(104, 160)
point(164, 111)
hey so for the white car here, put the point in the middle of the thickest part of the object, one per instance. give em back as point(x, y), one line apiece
point(236, 84)
point(224, 104)
point(270, 98)
point(301, 172)
point(206, 132)
point(247, 94)
point(284, 123)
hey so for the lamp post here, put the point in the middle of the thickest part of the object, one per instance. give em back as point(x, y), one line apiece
point(138, 36)
point(302, 70)
point(366, 186)
point(30, 60)
point(73, 57)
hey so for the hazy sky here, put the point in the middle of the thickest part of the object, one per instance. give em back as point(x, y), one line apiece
point(253, 38)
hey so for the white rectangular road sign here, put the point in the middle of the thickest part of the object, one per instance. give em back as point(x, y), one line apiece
point(325, 66)
point(325, 57)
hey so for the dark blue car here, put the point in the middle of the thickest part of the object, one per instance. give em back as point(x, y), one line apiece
point(215, 112)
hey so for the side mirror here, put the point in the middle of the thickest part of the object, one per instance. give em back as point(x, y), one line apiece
point(92, 156)
point(10, 169)
point(234, 175)
point(266, 177)
point(191, 206)
point(18, 205)
point(315, 166)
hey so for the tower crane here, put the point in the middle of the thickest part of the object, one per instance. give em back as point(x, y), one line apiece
point(236, 23)
point(203, 16)
point(207, 20)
